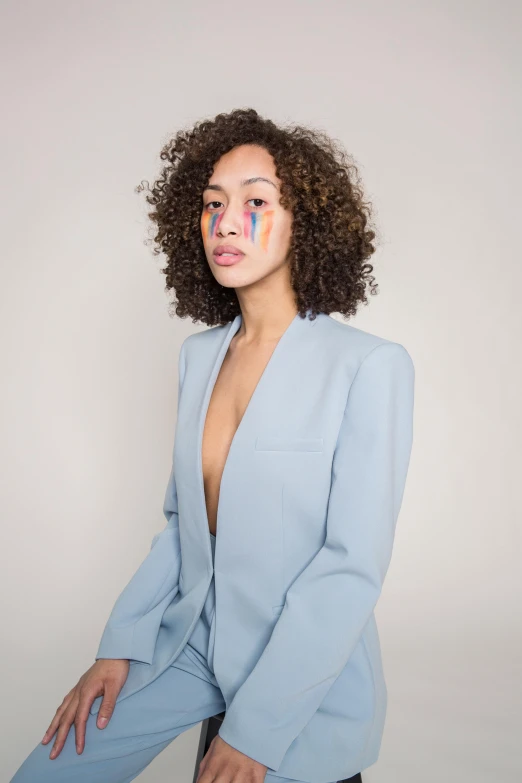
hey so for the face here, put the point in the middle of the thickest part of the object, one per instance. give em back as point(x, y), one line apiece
point(241, 213)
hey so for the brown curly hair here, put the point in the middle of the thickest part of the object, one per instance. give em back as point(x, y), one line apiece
point(331, 237)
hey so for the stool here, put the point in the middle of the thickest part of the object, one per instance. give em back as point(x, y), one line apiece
point(210, 728)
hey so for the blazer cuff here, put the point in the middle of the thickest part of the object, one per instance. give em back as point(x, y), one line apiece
point(135, 642)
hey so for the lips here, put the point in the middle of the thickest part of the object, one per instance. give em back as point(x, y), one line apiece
point(222, 257)
point(222, 249)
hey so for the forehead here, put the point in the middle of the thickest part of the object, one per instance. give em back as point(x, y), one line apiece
point(244, 164)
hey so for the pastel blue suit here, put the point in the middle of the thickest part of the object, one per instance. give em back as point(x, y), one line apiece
point(309, 501)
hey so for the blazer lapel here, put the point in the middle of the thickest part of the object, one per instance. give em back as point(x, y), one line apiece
point(296, 330)
point(216, 360)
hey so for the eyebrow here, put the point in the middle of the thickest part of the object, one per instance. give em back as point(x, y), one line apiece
point(243, 183)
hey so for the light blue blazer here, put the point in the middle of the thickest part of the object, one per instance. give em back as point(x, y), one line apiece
point(308, 506)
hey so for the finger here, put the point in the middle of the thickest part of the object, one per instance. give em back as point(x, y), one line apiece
point(49, 734)
point(108, 704)
point(80, 721)
point(202, 765)
point(204, 776)
point(201, 769)
point(63, 731)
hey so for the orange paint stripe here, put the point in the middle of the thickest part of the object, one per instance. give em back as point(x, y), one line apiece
point(268, 221)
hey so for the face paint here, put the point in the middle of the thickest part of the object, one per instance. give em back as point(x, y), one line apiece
point(257, 226)
point(209, 224)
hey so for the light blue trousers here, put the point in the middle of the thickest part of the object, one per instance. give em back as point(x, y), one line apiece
point(142, 724)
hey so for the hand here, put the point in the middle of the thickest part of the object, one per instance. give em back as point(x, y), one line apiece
point(105, 678)
point(224, 763)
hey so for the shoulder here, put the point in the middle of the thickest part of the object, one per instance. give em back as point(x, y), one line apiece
point(203, 340)
point(357, 347)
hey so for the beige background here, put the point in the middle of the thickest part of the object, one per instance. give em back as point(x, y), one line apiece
point(427, 97)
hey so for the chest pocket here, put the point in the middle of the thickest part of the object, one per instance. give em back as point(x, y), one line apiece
point(289, 444)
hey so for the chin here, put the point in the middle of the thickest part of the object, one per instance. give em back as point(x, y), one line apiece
point(233, 277)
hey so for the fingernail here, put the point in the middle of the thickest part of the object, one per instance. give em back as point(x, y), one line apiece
point(103, 722)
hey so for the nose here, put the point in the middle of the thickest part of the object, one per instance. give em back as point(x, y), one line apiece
point(230, 222)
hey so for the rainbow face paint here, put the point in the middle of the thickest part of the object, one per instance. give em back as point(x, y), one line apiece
point(209, 224)
point(257, 227)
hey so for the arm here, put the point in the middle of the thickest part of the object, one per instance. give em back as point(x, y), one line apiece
point(132, 627)
point(330, 602)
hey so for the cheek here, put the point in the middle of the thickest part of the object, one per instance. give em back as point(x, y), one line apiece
point(210, 224)
point(257, 227)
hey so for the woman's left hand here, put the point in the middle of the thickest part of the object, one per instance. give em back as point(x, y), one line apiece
point(225, 763)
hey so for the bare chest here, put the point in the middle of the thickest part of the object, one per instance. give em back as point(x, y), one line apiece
point(235, 385)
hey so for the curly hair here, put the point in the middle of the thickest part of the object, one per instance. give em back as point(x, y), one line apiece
point(331, 237)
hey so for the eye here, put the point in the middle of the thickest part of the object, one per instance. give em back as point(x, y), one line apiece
point(212, 202)
point(258, 199)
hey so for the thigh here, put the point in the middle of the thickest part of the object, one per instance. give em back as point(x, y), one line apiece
point(141, 726)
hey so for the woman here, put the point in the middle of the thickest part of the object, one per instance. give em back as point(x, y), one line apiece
point(292, 446)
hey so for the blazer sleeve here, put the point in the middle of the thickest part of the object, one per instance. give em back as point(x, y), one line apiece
point(330, 602)
point(133, 624)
